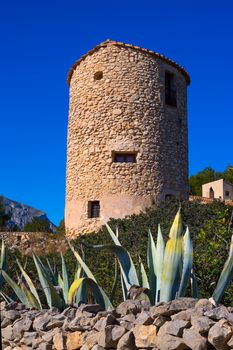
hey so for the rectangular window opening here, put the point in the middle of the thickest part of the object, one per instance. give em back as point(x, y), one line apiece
point(124, 157)
point(93, 209)
point(227, 194)
point(170, 90)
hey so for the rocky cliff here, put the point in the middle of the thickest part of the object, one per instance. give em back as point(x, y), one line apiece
point(20, 214)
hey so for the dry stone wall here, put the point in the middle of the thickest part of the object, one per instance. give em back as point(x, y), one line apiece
point(39, 243)
point(183, 323)
point(117, 104)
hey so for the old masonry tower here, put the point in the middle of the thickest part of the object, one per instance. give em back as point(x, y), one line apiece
point(127, 134)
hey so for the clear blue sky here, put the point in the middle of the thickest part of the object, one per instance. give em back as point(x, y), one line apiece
point(40, 40)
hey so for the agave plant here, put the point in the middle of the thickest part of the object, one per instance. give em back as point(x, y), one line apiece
point(58, 291)
point(169, 267)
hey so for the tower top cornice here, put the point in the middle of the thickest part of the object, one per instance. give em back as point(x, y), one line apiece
point(120, 44)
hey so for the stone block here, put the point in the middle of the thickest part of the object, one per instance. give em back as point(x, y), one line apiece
point(220, 334)
point(74, 340)
point(145, 336)
point(194, 340)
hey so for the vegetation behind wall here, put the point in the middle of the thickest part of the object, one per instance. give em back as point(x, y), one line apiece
point(210, 226)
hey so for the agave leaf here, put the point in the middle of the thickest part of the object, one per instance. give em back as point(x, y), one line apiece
point(51, 272)
point(114, 286)
point(177, 227)
point(30, 284)
point(82, 263)
point(60, 281)
point(99, 295)
point(65, 279)
point(187, 263)
point(20, 294)
point(126, 264)
point(30, 297)
point(81, 296)
point(124, 289)
point(2, 261)
point(151, 258)
point(172, 260)
point(159, 263)
point(225, 277)
point(194, 285)
point(113, 235)
point(53, 299)
point(73, 288)
point(142, 276)
point(7, 299)
point(78, 272)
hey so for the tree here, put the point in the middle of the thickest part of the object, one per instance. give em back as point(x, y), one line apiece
point(228, 174)
point(208, 175)
point(61, 228)
point(203, 177)
point(37, 225)
point(3, 215)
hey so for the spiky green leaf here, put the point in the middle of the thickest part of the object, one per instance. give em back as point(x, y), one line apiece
point(151, 264)
point(113, 235)
point(187, 263)
point(53, 299)
point(225, 277)
point(142, 276)
point(82, 263)
point(99, 296)
point(19, 293)
point(172, 261)
point(194, 286)
point(2, 261)
point(159, 263)
point(65, 279)
point(30, 284)
point(126, 264)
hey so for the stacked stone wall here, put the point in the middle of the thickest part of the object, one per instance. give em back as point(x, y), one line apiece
point(184, 323)
point(39, 243)
point(123, 111)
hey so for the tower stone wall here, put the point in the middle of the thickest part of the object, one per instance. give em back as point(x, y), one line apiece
point(118, 106)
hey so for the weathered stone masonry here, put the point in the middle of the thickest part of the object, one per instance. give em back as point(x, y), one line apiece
point(117, 104)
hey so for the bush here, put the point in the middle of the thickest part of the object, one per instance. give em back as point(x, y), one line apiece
point(37, 225)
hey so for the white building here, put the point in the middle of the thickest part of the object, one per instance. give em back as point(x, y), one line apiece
point(219, 189)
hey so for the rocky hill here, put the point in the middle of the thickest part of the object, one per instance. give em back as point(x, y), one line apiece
point(20, 214)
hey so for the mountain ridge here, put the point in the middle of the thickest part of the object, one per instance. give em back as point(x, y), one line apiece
point(21, 214)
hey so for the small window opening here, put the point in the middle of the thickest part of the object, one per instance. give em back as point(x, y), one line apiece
point(98, 75)
point(93, 209)
point(169, 196)
point(227, 194)
point(170, 90)
point(124, 157)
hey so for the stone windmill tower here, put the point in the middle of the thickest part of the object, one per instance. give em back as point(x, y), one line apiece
point(127, 134)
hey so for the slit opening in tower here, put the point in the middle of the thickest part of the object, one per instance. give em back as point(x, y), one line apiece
point(124, 157)
point(93, 209)
point(98, 75)
point(170, 89)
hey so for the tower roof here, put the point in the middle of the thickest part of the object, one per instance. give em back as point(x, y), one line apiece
point(120, 44)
